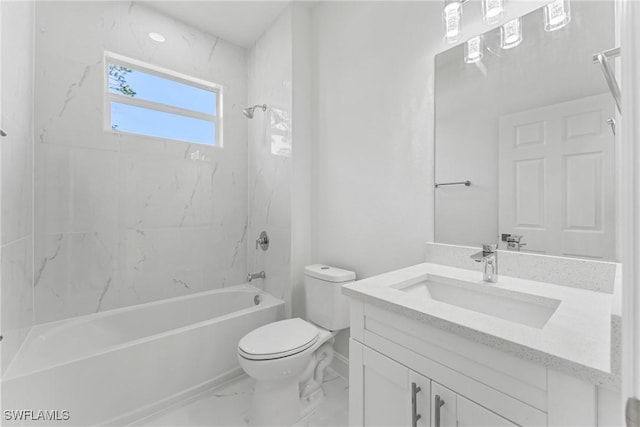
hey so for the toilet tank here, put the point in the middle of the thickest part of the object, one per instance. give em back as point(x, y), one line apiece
point(325, 304)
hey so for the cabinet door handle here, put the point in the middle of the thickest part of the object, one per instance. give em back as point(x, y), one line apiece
point(415, 416)
point(438, 403)
point(2, 132)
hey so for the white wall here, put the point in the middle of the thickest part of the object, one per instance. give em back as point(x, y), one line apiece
point(16, 240)
point(124, 219)
point(269, 149)
point(373, 158)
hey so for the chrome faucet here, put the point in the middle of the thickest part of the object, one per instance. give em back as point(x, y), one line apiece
point(513, 242)
point(252, 276)
point(489, 259)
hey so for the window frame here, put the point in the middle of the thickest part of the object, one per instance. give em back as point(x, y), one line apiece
point(144, 67)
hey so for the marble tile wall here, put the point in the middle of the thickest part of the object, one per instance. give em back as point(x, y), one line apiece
point(270, 143)
point(123, 219)
point(16, 177)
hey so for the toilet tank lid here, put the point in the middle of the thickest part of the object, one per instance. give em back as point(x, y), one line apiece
point(329, 274)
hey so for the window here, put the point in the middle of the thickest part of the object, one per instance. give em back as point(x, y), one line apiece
point(147, 100)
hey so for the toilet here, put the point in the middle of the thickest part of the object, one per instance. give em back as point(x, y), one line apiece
point(287, 359)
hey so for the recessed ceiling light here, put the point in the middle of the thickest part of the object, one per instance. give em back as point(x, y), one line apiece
point(157, 37)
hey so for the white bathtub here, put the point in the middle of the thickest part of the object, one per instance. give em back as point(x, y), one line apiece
point(113, 367)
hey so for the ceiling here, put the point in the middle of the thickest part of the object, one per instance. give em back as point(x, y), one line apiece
point(239, 22)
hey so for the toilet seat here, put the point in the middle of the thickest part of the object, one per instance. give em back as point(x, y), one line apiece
point(278, 339)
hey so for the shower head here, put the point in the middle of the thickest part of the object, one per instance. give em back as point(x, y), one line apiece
point(248, 112)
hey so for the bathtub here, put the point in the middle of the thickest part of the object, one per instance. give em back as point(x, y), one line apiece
point(114, 367)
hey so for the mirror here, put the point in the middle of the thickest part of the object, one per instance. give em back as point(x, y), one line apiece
point(529, 128)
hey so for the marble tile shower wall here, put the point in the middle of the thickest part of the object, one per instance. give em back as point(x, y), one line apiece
point(16, 241)
point(123, 219)
point(270, 145)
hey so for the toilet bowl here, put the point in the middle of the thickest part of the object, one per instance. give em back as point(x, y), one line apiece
point(282, 357)
point(287, 359)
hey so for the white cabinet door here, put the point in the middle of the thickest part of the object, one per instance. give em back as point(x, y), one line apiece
point(444, 414)
point(421, 387)
point(387, 391)
point(457, 411)
point(556, 178)
point(470, 414)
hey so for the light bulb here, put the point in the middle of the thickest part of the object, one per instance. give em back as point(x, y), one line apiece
point(492, 11)
point(557, 14)
point(473, 50)
point(452, 16)
point(511, 34)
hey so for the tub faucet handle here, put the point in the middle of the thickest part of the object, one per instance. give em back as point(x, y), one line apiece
point(263, 241)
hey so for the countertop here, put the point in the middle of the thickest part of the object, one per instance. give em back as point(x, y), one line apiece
point(579, 338)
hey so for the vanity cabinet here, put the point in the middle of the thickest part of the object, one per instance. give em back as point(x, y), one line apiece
point(398, 396)
point(392, 356)
point(395, 394)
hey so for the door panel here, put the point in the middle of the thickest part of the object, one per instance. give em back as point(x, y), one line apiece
point(556, 178)
point(448, 411)
point(423, 398)
point(387, 393)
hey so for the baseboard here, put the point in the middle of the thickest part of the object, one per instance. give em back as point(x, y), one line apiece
point(138, 416)
point(340, 365)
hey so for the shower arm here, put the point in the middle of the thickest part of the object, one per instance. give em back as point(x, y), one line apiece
point(602, 58)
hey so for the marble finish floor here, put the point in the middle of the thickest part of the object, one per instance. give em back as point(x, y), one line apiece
point(228, 406)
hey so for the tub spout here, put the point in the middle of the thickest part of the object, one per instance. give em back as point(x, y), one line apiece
point(252, 276)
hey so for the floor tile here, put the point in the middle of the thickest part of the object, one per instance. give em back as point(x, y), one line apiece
point(228, 405)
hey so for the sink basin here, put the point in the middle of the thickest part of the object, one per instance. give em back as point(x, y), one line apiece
point(519, 307)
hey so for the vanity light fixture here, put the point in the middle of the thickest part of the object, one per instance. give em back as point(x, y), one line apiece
point(473, 50)
point(557, 14)
point(157, 37)
point(452, 17)
point(511, 34)
point(492, 11)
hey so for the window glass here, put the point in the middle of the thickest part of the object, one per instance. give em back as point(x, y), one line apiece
point(149, 87)
point(145, 121)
